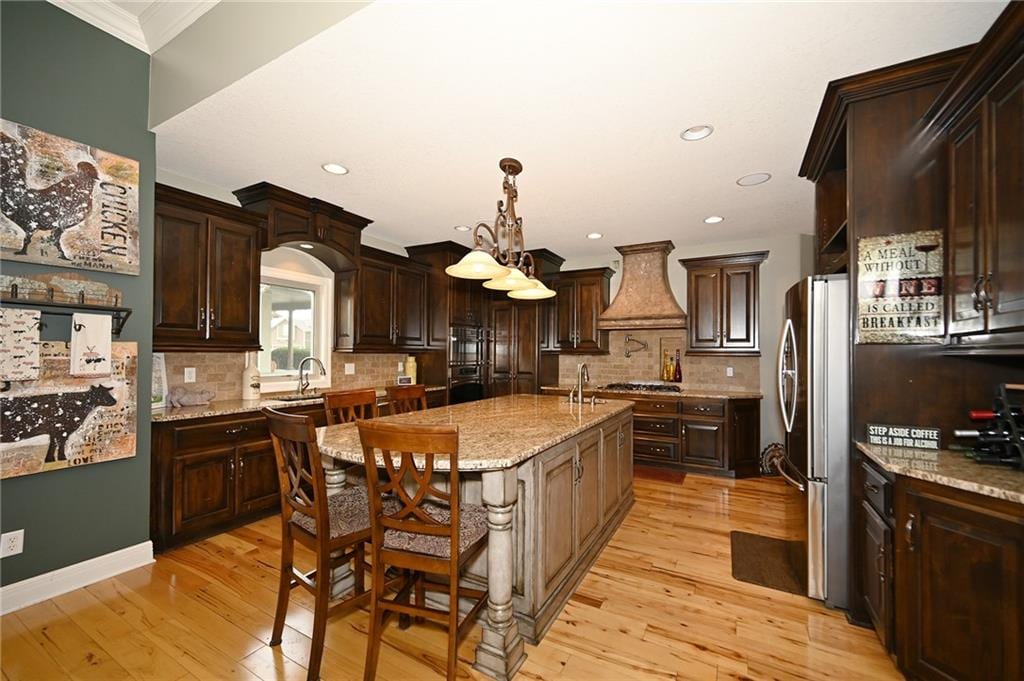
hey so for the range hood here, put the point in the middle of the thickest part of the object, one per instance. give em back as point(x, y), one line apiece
point(644, 299)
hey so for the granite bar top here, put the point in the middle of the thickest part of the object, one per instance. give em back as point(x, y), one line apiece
point(496, 433)
point(225, 407)
point(952, 469)
point(687, 391)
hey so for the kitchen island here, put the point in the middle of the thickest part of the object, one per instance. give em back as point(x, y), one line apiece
point(557, 481)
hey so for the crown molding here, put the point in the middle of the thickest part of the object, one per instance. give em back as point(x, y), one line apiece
point(106, 16)
point(153, 28)
point(162, 21)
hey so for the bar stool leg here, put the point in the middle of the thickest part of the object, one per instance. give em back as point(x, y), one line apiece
point(453, 626)
point(323, 596)
point(376, 624)
point(284, 587)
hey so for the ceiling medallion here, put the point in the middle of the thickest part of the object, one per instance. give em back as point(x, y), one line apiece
point(499, 252)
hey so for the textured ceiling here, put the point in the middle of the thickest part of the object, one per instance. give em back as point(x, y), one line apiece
point(421, 100)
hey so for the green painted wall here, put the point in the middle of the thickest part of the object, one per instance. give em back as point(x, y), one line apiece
point(61, 75)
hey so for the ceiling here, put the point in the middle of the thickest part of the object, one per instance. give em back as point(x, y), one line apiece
point(147, 25)
point(420, 101)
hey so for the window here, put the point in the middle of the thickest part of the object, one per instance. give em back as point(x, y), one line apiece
point(295, 322)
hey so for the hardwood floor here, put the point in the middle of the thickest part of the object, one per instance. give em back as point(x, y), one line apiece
point(659, 604)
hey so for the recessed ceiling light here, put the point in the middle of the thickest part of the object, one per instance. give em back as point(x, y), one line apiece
point(335, 168)
point(308, 247)
point(461, 228)
point(713, 219)
point(697, 132)
point(595, 235)
point(753, 179)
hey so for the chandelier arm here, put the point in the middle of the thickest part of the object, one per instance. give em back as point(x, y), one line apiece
point(527, 262)
point(478, 241)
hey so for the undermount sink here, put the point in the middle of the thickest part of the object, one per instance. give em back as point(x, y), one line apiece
point(295, 398)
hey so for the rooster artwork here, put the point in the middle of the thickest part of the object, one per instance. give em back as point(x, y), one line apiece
point(65, 203)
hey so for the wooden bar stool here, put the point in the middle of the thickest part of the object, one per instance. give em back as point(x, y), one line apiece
point(429, 532)
point(406, 398)
point(345, 406)
point(338, 525)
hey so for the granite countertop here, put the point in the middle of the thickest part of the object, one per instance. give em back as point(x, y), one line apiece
point(952, 469)
point(225, 407)
point(687, 391)
point(496, 433)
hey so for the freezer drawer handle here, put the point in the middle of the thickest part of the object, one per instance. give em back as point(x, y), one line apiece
point(782, 472)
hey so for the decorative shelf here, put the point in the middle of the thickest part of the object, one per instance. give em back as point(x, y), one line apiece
point(65, 305)
point(837, 243)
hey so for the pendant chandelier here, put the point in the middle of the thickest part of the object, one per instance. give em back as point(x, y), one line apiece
point(499, 253)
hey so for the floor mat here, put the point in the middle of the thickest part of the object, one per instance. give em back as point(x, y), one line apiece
point(766, 561)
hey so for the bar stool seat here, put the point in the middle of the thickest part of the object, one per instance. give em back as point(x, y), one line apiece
point(348, 513)
point(472, 529)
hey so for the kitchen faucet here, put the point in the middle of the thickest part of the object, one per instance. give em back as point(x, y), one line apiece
point(304, 380)
point(582, 376)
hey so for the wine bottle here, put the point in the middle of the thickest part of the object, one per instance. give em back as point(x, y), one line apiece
point(989, 414)
point(677, 376)
point(990, 435)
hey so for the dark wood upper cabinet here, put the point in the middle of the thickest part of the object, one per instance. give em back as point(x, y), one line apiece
point(960, 584)
point(390, 300)
point(450, 301)
point(206, 281)
point(580, 298)
point(981, 114)
point(514, 346)
point(722, 304)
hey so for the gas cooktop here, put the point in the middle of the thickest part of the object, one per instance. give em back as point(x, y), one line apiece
point(645, 387)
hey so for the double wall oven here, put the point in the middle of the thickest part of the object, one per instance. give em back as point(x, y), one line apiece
point(467, 361)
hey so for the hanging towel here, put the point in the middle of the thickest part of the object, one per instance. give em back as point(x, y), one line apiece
point(19, 344)
point(90, 344)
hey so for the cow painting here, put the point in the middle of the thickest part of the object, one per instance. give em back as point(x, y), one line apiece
point(57, 415)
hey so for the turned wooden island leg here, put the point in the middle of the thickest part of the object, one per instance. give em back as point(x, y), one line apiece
point(500, 651)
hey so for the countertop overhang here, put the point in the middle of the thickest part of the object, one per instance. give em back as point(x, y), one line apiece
point(494, 434)
point(951, 469)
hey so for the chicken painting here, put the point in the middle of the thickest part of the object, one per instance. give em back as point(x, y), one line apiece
point(56, 208)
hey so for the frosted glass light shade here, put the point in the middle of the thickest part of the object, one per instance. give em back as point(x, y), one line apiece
point(476, 265)
point(536, 292)
point(514, 280)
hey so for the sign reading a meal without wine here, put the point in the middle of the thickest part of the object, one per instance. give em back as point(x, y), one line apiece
point(899, 283)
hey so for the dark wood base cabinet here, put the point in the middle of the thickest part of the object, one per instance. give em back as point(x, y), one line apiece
point(959, 584)
point(212, 474)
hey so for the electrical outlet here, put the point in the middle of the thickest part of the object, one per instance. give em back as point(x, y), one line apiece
point(728, 372)
point(190, 374)
point(401, 367)
point(12, 543)
point(350, 369)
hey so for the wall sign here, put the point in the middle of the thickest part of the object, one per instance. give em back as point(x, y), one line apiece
point(67, 204)
point(899, 288)
point(60, 421)
point(914, 437)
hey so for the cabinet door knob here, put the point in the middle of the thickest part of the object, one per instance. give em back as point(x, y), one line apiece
point(870, 488)
point(976, 294)
point(908, 531)
point(234, 431)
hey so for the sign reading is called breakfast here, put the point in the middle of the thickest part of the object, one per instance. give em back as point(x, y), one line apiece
point(67, 204)
point(899, 280)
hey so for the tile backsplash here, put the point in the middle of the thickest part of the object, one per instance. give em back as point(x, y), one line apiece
point(705, 372)
point(221, 372)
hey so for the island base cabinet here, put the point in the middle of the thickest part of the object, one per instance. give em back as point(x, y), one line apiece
point(960, 584)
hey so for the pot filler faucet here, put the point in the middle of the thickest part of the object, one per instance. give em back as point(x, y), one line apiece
point(582, 376)
point(303, 379)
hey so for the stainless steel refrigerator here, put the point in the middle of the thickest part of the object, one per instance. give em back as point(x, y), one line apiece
point(813, 384)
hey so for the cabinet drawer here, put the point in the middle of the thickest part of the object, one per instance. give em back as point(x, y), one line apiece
point(654, 425)
point(205, 435)
point(653, 406)
point(655, 450)
point(704, 407)
point(877, 490)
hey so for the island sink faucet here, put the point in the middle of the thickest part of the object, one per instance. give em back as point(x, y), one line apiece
point(303, 378)
point(582, 376)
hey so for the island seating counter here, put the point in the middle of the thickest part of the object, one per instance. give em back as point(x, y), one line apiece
point(557, 481)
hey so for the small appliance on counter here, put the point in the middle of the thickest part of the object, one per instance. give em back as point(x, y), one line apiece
point(999, 438)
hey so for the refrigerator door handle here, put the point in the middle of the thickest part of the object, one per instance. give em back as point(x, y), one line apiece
point(780, 466)
point(787, 374)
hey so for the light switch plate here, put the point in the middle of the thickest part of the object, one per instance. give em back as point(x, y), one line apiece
point(728, 372)
point(350, 369)
point(190, 374)
point(12, 543)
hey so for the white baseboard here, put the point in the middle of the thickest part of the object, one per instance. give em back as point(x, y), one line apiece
point(41, 587)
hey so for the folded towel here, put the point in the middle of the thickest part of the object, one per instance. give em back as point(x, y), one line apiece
point(90, 344)
point(19, 344)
